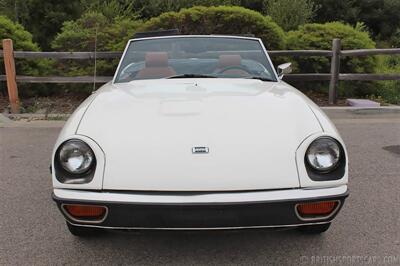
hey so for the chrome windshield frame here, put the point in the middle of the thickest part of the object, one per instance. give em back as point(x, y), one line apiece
point(196, 36)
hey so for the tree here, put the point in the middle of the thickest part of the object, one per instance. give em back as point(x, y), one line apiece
point(109, 34)
point(22, 41)
point(110, 8)
point(382, 17)
point(332, 10)
point(12, 9)
point(289, 14)
point(42, 18)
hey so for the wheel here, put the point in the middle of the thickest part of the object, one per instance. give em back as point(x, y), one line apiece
point(314, 229)
point(83, 231)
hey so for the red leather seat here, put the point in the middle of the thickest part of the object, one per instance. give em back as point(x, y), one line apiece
point(231, 60)
point(156, 66)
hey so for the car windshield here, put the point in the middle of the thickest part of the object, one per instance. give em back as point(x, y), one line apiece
point(195, 57)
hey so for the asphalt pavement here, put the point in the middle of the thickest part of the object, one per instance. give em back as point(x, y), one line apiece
point(33, 232)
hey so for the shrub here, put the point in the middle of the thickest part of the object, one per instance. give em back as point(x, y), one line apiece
point(147, 9)
point(320, 36)
point(220, 20)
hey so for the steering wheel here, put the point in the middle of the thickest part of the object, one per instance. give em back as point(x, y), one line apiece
point(238, 67)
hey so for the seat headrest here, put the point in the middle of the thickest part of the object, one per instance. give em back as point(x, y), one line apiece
point(229, 60)
point(156, 59)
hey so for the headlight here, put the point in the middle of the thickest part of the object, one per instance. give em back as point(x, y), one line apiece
point(323, 154)
point(76, 157)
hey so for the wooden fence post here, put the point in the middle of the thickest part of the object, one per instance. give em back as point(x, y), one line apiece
point(335, 70)
point(8, 52)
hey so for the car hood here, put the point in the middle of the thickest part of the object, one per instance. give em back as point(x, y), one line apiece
point(147, 130)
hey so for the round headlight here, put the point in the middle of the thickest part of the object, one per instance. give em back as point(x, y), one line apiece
point(76, 157)
point(323, 154)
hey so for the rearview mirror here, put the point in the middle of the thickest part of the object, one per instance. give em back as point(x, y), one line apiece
point(284, 69)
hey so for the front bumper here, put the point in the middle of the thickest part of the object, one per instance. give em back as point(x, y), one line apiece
point(195, 211)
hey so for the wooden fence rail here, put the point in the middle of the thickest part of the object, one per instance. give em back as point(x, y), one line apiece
point(333, 77)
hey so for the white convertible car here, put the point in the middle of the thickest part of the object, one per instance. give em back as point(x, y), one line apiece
point(198, 132)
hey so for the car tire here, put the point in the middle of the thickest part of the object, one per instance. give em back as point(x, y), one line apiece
point(83, 231)
point(314, 229)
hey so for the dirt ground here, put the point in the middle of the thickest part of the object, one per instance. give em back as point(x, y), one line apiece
point(322, 100)
point(45, 105)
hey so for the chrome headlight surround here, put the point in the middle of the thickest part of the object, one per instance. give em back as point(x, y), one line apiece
point(74, 162)
point(325, 159)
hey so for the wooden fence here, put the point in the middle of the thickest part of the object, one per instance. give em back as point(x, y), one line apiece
point(334, 76)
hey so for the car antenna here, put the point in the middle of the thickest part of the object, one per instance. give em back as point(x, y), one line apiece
point(95, 61)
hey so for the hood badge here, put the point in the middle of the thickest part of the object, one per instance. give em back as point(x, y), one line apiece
point(196, 150)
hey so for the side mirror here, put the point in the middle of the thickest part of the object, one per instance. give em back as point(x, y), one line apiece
point(284, 69)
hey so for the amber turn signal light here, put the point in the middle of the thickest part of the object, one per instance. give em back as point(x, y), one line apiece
point(316, 209)
point(85, 212)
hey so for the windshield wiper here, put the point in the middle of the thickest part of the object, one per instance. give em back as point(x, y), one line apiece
point(261, 78)
point(187, 76)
